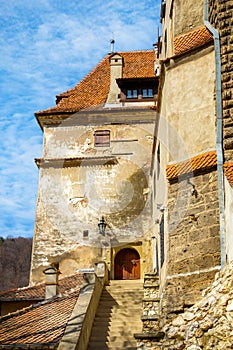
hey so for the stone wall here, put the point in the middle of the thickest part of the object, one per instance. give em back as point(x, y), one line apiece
point(221, 18)
point(151, 333)
point(208, 324)
point(194, 243)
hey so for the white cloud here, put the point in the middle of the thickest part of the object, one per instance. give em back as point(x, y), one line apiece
point(46, 47)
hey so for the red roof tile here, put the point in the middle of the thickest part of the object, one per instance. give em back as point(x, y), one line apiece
point(42, 323)
point(192, 40)
point(138, 64)
point(200, 162)
point(37, 292)
point(92, 90)
point(228, 170)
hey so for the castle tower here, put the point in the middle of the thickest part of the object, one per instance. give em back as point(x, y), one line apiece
point(95, 171)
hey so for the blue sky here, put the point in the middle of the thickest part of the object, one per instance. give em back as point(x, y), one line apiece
point(47, 46)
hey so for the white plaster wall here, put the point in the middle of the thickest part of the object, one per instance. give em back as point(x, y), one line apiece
point(167, 27)
point(78, 141)
point(188, 15)
point(180, 17)
point(189, 106)
point(116, 64)
point(67, 141)
point(72, 199)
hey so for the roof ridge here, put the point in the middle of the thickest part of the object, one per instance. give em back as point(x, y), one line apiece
point(191, 40)
point(63, 94)
point(201, 161)
point(92, 91)
point(22, 288)
point(135, 51)
point(209, 151)
point(36, 286)
point(192, 31)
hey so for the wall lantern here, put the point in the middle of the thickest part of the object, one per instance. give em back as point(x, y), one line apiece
point(102, 226)
point(193, 191)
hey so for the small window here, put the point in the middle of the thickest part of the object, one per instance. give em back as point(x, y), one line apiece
point(132, 93)
point(102, 138)
point(163, 10)
point(158, 160)
point(162, 250)
point(147, 93)
point(85, 234)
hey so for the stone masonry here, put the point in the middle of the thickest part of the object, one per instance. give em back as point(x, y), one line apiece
point(194, 243)
point(151, 333)
point(221, 18)
point(208, 324)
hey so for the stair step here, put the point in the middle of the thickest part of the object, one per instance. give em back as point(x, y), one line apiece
point(115, 343)
point(111, 347)
point(118, 316)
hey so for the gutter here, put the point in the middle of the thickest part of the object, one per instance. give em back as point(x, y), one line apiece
point(219, 131)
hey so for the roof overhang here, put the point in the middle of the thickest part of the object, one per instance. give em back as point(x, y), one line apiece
point(102, 116)
point(74, 162)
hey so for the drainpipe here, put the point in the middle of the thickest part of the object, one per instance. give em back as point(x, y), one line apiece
point(219, 131)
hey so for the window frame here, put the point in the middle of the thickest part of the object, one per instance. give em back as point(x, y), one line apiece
point(148, 91)
point(134, 94)
point(102, 138)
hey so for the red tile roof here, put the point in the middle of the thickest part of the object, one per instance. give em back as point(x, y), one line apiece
point(37, 292)
point(228, 170)
point(200, 162)
point(92, 90)
point(43, 323)
point(191, 40)
point(138, 64)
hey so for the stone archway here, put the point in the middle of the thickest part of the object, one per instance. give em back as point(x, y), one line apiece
point(127, 265)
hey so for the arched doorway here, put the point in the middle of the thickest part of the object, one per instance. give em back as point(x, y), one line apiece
point(127, 265)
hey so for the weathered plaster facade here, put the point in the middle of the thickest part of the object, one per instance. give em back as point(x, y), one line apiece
point(111, 181)
point(187, 16)
point(189, 104)
point(96, 163)
point(178, 17)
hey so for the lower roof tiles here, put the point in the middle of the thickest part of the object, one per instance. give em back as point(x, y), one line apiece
point(43, 323)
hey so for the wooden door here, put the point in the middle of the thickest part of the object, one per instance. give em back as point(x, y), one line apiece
point(127, 265)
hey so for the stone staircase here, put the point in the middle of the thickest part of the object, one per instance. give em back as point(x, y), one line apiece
point(118, 316)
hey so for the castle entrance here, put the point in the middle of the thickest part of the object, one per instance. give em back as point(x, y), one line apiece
point(127, 265)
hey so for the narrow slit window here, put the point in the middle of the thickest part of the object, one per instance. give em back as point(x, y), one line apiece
point(102, 138)
point(85, 233)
